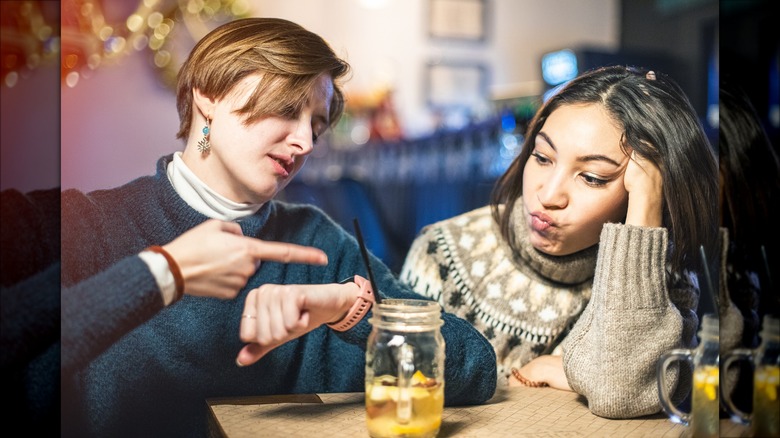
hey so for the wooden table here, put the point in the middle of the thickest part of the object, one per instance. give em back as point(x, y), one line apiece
point(512, 412)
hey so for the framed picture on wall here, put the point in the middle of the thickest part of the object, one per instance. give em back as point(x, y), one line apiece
point(455, 84)
point(457, 19)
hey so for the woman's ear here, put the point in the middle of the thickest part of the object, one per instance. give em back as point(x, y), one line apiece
point(205, 105)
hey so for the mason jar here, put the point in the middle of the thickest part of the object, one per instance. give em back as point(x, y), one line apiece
point(765, 418)
point(704, 418)
point(405, 369)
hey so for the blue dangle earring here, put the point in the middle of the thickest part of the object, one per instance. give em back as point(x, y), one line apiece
point(204, 146)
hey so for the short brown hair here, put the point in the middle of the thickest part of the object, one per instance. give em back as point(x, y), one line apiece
point(289, 57)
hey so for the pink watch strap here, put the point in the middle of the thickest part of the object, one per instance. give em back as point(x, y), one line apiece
point(362, 305)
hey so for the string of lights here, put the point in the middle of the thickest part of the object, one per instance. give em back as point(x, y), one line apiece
point(90, 40)
point(86, 39)
point(29, 38)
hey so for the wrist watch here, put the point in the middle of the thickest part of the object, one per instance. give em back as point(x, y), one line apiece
point(362, 305)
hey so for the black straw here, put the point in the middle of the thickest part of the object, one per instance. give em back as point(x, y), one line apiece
point(708, 279)
point(364, 251)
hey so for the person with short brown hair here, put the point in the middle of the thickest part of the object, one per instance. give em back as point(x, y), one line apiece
point(207, 285)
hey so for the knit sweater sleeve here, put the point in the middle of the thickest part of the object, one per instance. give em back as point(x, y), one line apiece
point(611, 354)
point(104, 295)
point(29, 257)
point(98, 311)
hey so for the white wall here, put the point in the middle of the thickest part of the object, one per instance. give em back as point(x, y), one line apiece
point(116, 123)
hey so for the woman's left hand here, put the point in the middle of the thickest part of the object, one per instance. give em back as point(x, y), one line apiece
point(644, 182)
point(275, 314)
point(545, 369)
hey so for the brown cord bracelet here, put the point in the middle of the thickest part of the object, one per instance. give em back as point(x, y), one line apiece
point(526, 382)
point(178, 279)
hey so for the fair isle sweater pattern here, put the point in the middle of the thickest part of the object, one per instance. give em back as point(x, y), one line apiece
point(465, 266)
point(519, 330)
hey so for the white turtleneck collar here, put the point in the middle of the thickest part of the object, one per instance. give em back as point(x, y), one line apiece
point(201, 197)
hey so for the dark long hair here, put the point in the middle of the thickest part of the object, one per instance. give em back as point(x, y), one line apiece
point(660, 124)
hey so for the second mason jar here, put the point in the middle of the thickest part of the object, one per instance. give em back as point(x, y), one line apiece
point(703, 419)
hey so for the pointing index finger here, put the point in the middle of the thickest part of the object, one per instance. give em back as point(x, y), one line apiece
point(289, 253)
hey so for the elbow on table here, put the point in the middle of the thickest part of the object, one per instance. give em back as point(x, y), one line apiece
point(622, 406)
point(472, 394)
point(472, 387)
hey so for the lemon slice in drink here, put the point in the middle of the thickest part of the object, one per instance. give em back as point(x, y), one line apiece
point(418, 378)
point(378, 393)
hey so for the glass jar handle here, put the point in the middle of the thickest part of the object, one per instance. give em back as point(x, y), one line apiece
point(671, 410)
point(728, 404)
point(405, 373)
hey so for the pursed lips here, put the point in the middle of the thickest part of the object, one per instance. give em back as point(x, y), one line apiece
point(541, 222)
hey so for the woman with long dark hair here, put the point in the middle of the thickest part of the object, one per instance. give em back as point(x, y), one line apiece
point(596, 227)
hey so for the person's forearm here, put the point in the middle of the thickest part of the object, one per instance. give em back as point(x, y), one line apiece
point(611, 353)
point(645, 211)
point(101, 309)
point(30, 317)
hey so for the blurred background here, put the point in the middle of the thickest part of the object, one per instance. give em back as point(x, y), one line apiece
point(438, 101)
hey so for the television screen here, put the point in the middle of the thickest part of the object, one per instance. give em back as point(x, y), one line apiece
point(559, 66)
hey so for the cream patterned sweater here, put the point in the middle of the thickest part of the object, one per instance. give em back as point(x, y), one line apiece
point(623, 318)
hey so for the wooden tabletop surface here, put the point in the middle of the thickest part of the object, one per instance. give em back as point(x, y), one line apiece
point(512, 412)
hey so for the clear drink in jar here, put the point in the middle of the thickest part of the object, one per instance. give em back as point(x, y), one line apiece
point(706, 415)
point(766, 405)
point(382, 403)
